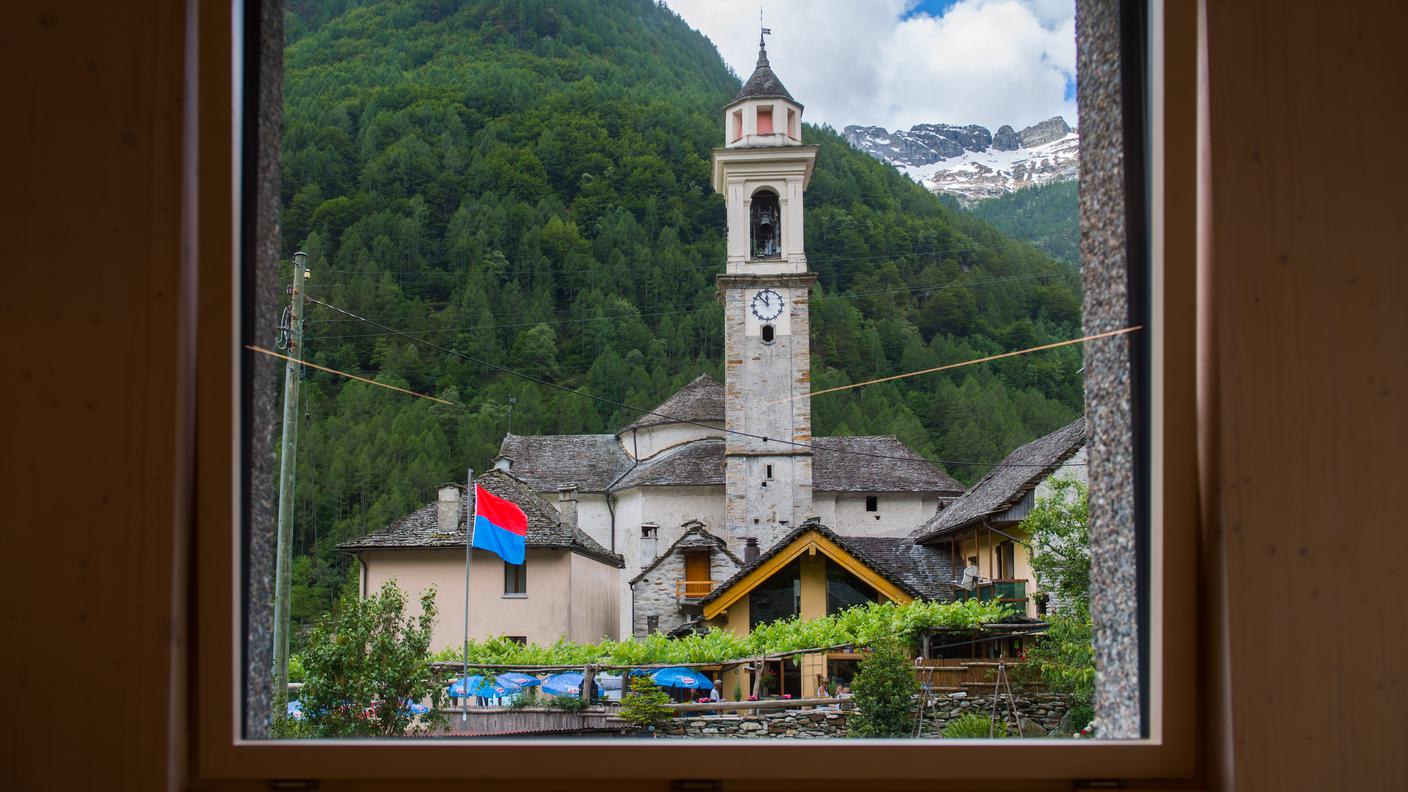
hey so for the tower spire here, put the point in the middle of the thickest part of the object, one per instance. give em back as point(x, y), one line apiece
point(762, 45)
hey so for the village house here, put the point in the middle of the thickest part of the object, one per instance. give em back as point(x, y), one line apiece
point(566, 586)
point(983, 529)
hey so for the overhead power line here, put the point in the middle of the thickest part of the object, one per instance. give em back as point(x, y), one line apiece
point(643, 411)
point(948, 366)
point(272, 353)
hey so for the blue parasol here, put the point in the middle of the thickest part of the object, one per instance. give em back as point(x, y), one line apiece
point(567, 684)
point(514, 681)
point(681, 678)
point(465, 687)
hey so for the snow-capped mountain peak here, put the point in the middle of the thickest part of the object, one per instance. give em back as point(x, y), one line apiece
point(971, 163)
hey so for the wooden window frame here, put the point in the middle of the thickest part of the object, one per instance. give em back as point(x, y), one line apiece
point(1169, 753)
point(521, 577)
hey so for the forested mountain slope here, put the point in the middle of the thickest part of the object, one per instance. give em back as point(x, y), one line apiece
point(527, 182)
point(1048, 216)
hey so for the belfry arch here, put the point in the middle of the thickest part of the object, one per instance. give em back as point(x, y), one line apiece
point(765, 225)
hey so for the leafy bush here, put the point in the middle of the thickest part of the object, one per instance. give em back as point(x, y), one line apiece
point(567, 703)
point(1058, 525)
point(859, 625)
point(884, 692)
point(364, 662)
point(975, 726)
point(645, 704)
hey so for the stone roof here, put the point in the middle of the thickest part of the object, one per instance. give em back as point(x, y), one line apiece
point(921, 572)
point(1008, 483)
point(841, 464)
point(763, 84)
point(696, 464)
point(927, 570)
point(695, 538)
point(421, 528)
point(547, 462)
point(701, 400)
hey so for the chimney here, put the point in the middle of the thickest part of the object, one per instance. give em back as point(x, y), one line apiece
point(649, 540)
point(567, 505)
point(750, 550)
point(448, 509)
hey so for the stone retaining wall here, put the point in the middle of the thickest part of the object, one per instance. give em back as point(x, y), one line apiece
point(1041, 714)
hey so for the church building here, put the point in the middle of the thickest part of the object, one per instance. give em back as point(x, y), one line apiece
point(718, 473)
point(723, 478)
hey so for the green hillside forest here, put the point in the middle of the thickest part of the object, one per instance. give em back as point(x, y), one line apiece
point(1047, 216)
point(527, 182)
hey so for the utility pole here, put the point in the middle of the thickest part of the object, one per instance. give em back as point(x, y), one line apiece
point(288, 457)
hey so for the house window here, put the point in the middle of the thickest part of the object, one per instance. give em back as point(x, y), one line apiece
point(649, 531)
point(845, 590)
point(769, 468)
point(778, 597)
point(652, 624)
point(737, 126)
point(515, 580)
point(872, 503)
point(521, 640)
point(768, 334)
point(792, 124)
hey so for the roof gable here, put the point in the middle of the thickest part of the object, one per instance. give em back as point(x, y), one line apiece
point(809, 537)
point(693, 538)
point(1006, 484)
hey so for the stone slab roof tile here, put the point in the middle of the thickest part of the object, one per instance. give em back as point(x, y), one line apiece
point(421, 528)
point(701, 400)
point(1008, 483)
point(547, 462)
point(870, 464)
point(696, 464)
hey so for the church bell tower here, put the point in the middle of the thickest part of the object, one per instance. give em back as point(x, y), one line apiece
point(762, 171)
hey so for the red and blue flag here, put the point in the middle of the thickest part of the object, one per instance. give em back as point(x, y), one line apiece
point(499, 526)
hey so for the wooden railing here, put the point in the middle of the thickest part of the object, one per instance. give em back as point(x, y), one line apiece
point(693, 589)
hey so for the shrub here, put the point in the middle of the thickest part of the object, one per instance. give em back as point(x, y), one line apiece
point(974, 726)
point(884, 691)
point(567, 703)
point(645, 704)
point(364, 661)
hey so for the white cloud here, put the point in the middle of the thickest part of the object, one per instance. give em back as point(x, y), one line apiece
point(989, 62)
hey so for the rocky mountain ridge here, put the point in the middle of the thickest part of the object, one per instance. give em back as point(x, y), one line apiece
point(972, 163)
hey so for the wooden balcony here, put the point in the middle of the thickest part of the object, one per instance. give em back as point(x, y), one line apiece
point(693, 589)
point(1012, 591)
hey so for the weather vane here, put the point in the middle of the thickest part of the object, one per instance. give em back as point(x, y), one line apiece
point(767, 31)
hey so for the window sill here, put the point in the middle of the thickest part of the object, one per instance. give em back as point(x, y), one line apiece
point(515, 596)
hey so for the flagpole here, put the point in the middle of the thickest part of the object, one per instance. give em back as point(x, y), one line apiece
point(468, 526)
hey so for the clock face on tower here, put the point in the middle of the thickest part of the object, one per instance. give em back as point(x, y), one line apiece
point(767, 305)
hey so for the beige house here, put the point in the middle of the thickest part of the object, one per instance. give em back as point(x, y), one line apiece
point(567, 587)
point(983, 529)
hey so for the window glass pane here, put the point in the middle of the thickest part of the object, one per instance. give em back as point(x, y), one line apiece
point(612, 322)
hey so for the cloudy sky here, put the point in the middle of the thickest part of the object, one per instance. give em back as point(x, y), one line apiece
point(896, 63)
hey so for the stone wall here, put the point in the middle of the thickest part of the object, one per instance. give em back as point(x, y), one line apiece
point(654, 594)
point(1041, 715)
